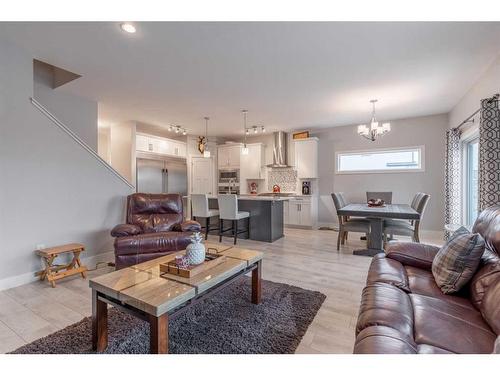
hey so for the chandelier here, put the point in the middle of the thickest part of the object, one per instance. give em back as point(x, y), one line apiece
point(374, 130)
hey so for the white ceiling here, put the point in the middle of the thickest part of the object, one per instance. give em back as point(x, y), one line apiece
point(288, 75)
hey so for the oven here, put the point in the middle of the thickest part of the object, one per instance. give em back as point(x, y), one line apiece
point(229, 181)
point(229, 175)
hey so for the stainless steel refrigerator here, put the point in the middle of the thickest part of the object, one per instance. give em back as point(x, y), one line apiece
point(161, 176)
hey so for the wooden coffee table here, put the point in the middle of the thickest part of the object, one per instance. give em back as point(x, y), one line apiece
point(143, 291)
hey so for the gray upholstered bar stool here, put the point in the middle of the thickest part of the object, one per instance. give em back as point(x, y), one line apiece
point(228, 208)
point(199, 208)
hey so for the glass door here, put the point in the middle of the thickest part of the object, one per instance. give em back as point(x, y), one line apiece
point(472, 180)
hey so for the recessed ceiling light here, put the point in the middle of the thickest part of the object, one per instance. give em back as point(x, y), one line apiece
point(128, 28)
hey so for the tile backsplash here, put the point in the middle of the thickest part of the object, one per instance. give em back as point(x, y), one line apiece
point(285, 178)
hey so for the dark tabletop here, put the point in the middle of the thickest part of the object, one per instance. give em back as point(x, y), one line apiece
point(392, 211)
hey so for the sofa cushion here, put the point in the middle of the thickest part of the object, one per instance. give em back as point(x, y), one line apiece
point(122, 230)
point(488, 226)
point(152, 243)
point(422, 282)
point(383, 269)
point(490, 308)
point(154, 212)
point(455, 264)
point(450, 326)
point(386, 305)
point(383, 340)
point(487, 275)
point(412, 253)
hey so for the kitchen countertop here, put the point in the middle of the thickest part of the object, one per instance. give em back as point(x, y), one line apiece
point(263, 197)
point(256, 198)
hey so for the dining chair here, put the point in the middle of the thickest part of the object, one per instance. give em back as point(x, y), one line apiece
point(408, 228)
point(228, 210)
point(199, 208)
point(347, 224)
point(386, 196)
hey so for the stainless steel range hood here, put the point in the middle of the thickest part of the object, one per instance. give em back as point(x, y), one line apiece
point(279, 150)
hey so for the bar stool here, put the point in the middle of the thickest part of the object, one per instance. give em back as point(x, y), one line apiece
point(199, 207)
point(228, 208)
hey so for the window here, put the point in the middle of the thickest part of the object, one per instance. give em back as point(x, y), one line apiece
point(409, 159)
point(471, 178)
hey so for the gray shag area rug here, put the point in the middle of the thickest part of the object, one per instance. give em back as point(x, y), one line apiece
point(224, 323)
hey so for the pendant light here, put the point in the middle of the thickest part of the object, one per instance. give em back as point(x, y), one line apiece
point(206, 152)
point(244, 150)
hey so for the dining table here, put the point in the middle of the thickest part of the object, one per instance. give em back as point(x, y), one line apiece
point(376, 216)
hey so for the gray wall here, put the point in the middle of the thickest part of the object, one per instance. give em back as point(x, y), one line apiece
point(77, 113)
point(52, 191)
point(428, 131)
point(486, 86)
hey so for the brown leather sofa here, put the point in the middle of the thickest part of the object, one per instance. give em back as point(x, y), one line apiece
point(155, 227)
point(404, 311)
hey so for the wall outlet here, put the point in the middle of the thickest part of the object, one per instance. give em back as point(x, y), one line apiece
point(40, 246)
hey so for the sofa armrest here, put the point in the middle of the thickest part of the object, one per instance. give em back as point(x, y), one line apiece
point(123, 230)
point(412, 254)
point(188, 226)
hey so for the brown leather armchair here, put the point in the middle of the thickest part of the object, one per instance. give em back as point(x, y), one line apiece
point(155, 227)
point(404, 311)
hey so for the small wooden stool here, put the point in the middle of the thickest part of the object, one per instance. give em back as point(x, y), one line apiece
point(54, 272)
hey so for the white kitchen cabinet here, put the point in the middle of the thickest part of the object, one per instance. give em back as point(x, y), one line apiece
point(234, 156)
point(159, 145)
point(286, 211)
point(301, 211)
point(306, 157)
point(293, 213)
point(222, 157)
point(305, 216)
point(163, 146)
point(177, 149)
point(143, 144)
point(228, 157)
point(252, 164)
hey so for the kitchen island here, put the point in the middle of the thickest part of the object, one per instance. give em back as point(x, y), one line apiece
point(266, 216)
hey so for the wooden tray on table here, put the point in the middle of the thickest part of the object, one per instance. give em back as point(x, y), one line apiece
point(211, 260)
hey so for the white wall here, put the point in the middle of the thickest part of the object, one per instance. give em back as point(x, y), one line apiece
point(77, 113)
point(428, 131)
point(486, 86)
point(104, 143)
point(122, 149)
point(52, 191)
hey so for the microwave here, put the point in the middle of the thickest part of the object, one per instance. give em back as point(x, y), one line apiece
point(229, 175)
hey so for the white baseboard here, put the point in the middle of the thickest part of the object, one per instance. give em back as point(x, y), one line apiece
point(29, 277)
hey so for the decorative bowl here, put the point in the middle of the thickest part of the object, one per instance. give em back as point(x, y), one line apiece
point(376, 202)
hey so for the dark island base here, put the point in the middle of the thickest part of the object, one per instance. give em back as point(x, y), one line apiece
point(266, 219)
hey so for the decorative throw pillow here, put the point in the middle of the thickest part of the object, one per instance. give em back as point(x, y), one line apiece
point(457, 261)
